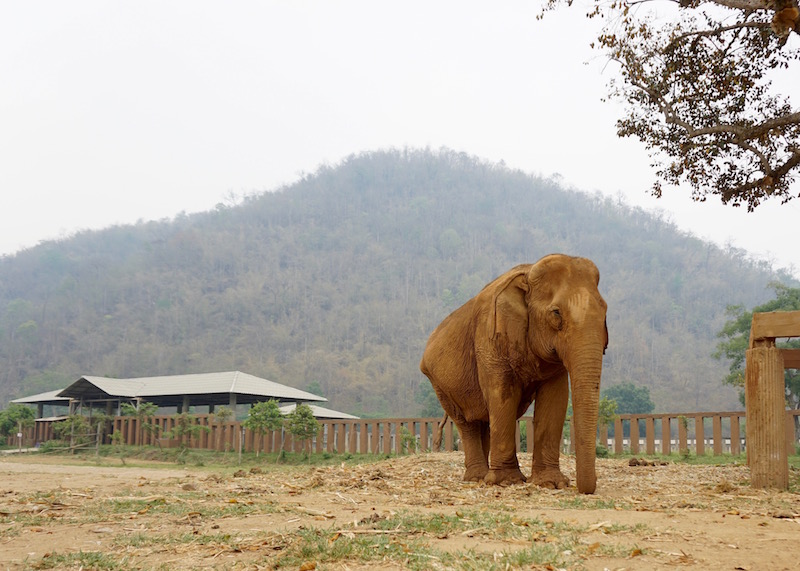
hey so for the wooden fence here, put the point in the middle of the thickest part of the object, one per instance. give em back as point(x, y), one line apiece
point(696, 432)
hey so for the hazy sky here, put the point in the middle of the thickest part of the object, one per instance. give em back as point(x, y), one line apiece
point(112, 112)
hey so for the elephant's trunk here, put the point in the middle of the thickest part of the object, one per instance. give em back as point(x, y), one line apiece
point(584, 370)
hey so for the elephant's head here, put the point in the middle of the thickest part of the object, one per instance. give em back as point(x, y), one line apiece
point(557, 302)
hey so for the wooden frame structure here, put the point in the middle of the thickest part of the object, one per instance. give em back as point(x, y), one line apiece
point(765, 396)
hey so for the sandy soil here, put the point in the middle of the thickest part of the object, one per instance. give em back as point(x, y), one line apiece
point(642, 517)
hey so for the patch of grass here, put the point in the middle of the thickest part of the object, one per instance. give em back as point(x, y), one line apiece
point(552, 555)
point(688, 457)
point(410, 541)
point(109, 455)
point(193, 504)
point(24, 520)
point(94, 560)
point(38, 509)
point(711, 460)
point(484, 523)
point(326, 547)
point(11, 531)
point(582, 502)
point(196, 505)
point(149, 539)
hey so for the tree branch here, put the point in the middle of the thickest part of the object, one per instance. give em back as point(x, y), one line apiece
point(762, 158)
point(744, 190)
point(747, 5)
point(744, 132)
point(718, 31)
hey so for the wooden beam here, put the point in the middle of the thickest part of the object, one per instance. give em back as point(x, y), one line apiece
point(772, 324)
point(791, 358)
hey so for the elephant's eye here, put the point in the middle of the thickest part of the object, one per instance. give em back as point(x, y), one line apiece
point(556, 315)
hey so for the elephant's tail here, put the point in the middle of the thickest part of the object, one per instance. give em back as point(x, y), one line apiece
point(437, 437)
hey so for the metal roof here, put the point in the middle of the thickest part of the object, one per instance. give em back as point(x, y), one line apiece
point(50, 397)
point(321, 412)
point(201, 388)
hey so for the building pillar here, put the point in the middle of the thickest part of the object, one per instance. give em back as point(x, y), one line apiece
point(766, 417)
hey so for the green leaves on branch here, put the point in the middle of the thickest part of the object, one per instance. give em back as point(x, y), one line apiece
point(629, 399)
point(301, 422)
point(607, 411)
point(12, 417)
point(264, 416)
point(735, 335)
point(267, 416)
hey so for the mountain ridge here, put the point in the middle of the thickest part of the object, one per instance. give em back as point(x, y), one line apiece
point(333, 284)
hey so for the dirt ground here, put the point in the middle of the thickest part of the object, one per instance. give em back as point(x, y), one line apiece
point(108, 516)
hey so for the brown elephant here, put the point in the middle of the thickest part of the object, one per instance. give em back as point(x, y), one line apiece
point(523, 338)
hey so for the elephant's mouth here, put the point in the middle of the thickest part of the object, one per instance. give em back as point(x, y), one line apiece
point(552, 357)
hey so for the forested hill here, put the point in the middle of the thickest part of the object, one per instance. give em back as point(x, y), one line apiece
point(334, 284)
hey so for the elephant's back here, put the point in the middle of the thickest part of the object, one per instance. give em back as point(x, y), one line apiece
point(451, 346)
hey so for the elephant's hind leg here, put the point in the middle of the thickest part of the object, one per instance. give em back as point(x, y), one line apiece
point(475, 439)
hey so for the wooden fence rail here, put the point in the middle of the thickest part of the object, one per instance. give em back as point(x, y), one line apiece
point(695, 432)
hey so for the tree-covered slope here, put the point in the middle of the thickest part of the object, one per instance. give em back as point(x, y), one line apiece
point(333, 285)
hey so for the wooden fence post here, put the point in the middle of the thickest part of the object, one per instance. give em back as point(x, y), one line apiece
point(716, 424)
point(387, 437)
point(666, 435)
point(448, 436)
point(735, 438)
point(604, 435)
point(699, 436)
point(341, 439)
point(529, 432)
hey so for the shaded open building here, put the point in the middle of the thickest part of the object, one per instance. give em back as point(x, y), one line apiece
point(230, 388)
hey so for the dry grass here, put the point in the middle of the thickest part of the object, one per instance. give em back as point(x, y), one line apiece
point(401, 513)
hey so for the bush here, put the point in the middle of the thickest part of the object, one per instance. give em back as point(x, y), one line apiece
point(13, 417)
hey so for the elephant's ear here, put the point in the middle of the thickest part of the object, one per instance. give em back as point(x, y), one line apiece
point(605, 330)
point(508, 312)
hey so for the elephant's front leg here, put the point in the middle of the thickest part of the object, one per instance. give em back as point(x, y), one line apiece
point(503, 401)
point(550, 410)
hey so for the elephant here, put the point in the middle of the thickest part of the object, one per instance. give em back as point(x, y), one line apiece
point(523, 339)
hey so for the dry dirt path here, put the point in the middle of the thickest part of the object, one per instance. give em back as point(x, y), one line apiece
point(401, 513)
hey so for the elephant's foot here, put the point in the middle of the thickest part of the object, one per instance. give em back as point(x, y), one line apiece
point(475, 473)
point(550, 478)
point(505, 476)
